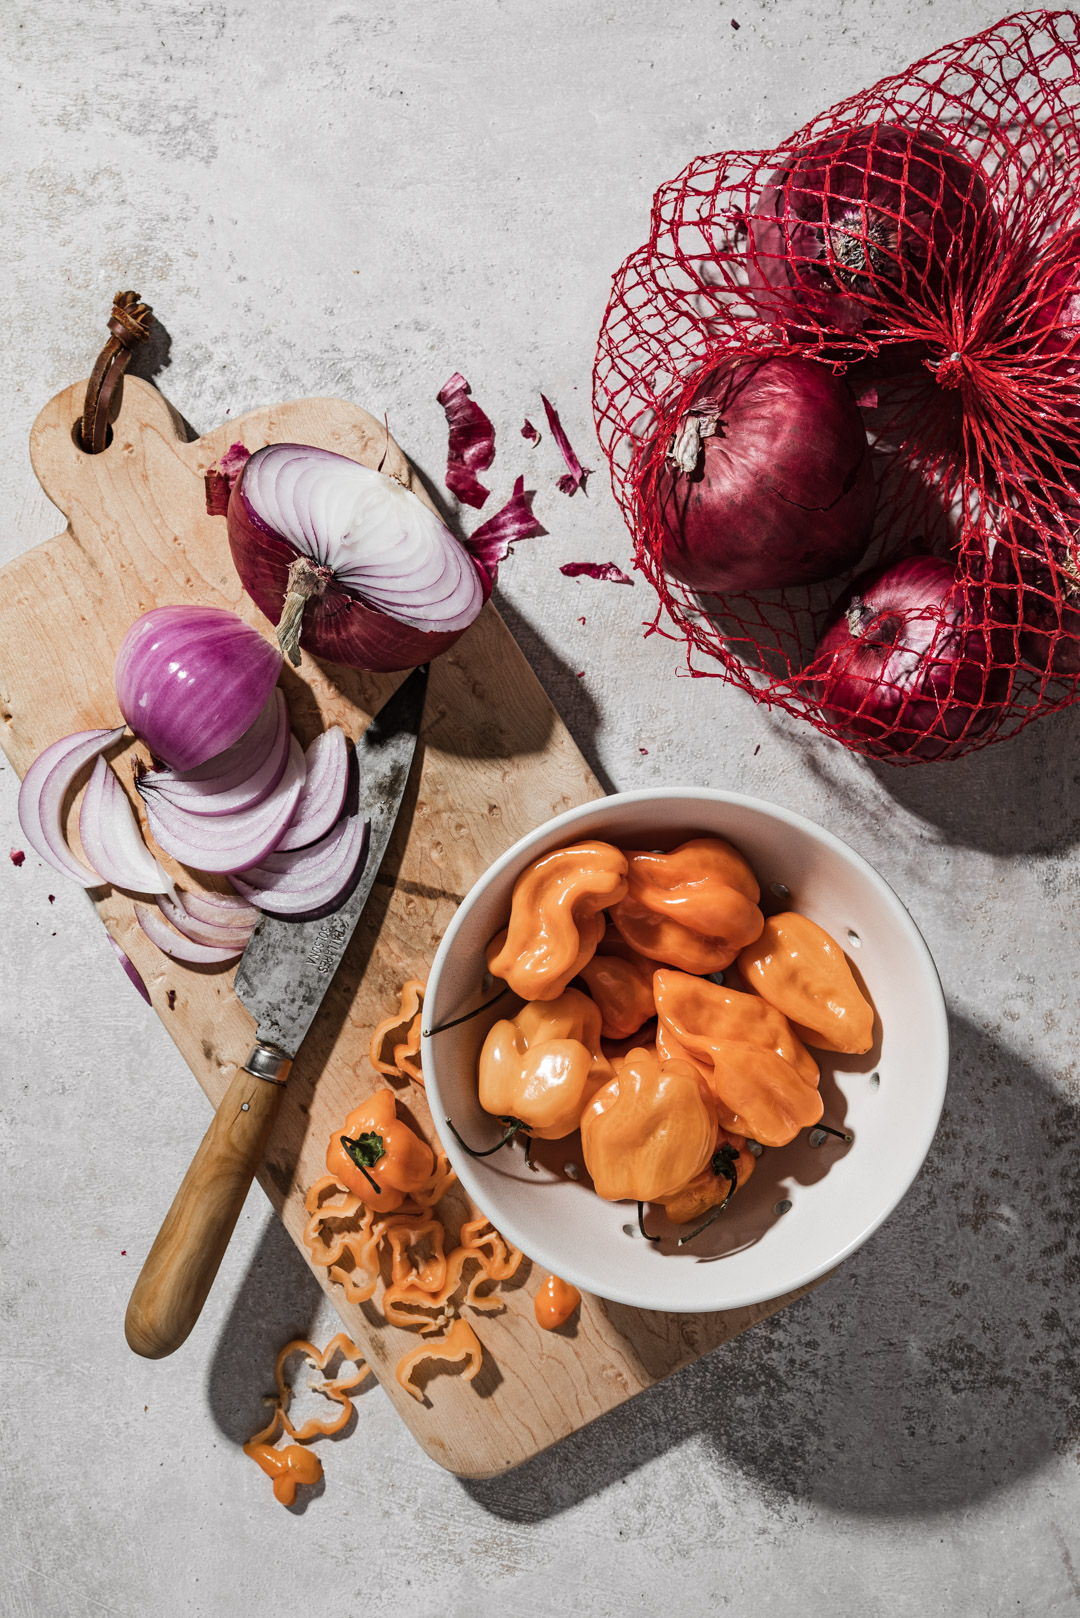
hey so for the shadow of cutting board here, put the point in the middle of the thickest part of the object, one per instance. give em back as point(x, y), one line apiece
point(494, 761)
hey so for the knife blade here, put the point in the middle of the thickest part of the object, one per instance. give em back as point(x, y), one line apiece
point(288, 965)
point(282, 978)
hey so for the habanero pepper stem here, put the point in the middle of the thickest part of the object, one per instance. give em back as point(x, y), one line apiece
point(723, 1163)
point(365, 1152)
point(489, 1151)
point(429, 1033)
point(641, 1223)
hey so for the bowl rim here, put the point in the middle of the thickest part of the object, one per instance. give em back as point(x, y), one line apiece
point(936, 1014)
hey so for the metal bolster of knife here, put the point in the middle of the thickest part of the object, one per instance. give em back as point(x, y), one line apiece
point(267, 1062)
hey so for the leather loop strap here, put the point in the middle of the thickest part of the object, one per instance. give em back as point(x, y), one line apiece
point(130, 325)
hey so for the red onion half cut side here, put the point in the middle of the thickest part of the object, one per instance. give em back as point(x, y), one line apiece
point(348, 562)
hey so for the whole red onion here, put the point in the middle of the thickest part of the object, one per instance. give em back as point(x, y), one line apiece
point(863, 219)
point(767, 481)
point(1036, 592)
point(1051, 343)
point(902, 669)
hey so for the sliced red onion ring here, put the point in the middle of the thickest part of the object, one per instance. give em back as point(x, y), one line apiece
point(322, 796)
point(229, 842)
point(172, 943)
point(42, 794)
point(237, 779)
point(219, 909)
point(202, 932)
point(311, 882)
point(132, 972)
point(112, 839)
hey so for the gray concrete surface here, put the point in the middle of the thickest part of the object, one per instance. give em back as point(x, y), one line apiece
point(360, 199)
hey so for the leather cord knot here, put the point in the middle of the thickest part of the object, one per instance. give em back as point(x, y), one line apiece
point(129, 326)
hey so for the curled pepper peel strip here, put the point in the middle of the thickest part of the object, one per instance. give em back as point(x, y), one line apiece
point(405, 1052)
point(334, 1388)
point(460, 1342)
point(341, 1238)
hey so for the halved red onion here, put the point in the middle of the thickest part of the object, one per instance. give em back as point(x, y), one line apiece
point(310, 880)
point(239, 778)
point(131, 971)
point(171, 943)
point(202, 932)
point(112, 838)
point(191, 680)
point(41, 800)
point(322, 796)
point(220, 909)
point(228, 842)
point(348, 562)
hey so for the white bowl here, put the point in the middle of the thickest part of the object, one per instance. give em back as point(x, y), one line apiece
point(890, 1100)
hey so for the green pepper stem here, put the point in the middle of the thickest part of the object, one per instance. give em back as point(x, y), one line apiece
point(841, 1134)
point(515, 1125)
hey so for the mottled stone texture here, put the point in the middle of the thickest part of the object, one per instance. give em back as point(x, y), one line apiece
point(360, 198)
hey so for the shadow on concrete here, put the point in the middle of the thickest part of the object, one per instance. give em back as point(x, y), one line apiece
point(577, 709)
point(1015, 797)
point(935, 1369)
point(278, 1299)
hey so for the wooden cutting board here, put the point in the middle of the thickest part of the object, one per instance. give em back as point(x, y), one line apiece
point(494, 761)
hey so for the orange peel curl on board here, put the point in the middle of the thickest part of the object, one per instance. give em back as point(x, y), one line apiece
point(405, 1052)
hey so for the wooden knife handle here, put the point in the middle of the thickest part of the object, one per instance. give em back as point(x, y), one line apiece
point(181, 1266)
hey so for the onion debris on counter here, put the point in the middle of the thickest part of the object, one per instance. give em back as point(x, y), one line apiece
point(491, 542)
point(608, 571)
point(472, 441)
point(574, 477)
point(348, 562)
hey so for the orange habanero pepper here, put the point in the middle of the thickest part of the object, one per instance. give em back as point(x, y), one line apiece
point(695, 908)
point(709, 1192)
point(804, 973)
point(622, 987)
point(555, 924)
point(377, 1156)
point(769, 1096)
point(541, 1067)
point(647, 1132)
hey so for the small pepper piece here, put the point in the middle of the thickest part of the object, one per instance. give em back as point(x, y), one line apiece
point(460, 1342)
point(377, 1156)
point(555, 1303)
point(541, 1067)
point(288, 1467)
point(694, 908)
point(555, 924)
point(621, 985)
point(798, 968)
point(648, 1131)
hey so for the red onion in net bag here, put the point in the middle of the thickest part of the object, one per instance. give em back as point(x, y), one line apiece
point(900, 668)
point(857, 227)
point(767, 480)
point(959, 337)
point(348, 562)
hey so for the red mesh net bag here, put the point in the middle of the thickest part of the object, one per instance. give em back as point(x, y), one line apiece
point(839, 390)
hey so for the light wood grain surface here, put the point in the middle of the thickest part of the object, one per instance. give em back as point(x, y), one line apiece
point(493, 762)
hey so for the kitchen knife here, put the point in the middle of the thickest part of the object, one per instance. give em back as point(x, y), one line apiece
point(283, 975)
